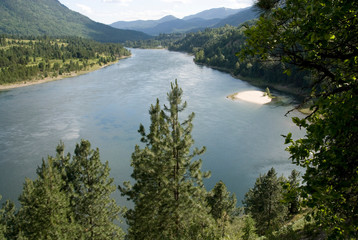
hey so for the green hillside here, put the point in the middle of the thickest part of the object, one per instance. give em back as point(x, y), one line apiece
point(50, 17)
point(26, 59)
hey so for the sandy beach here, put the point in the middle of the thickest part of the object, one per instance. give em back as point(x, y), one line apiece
point(256, 97)
point(38, 81)
point(50, 79)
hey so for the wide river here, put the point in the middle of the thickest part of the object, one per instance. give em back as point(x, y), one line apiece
point(106, 107)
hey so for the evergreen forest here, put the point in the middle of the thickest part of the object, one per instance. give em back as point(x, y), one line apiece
point(29, 58)
point(312, 43)
point(217, 48)
point(51, 18)
point(71, 195)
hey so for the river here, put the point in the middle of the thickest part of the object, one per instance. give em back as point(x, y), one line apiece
point(106, 107)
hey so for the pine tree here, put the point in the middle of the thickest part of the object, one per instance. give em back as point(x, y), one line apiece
point(222, 204)
point(45, 211)
point(249, 228)
point(169, 194)
point(2, 225)
point(70, 199)
point(320, 37)
point(8, 220)
point(265, 202)
point(292, 193)
point(95, 211)
point(147, 193)
point(2, 232)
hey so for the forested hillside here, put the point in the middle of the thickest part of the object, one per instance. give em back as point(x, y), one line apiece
point(71, 195)
point(319, 37)
point(24, 59)
point(50, 17)
point(218, 47)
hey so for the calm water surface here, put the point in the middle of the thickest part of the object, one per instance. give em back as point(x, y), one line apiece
point(107, 106)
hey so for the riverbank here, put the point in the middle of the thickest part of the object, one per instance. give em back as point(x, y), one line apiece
point(299, 93)
point(257, 97)
point(59, 77)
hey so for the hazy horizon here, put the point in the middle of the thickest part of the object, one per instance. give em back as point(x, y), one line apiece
point(110, 11)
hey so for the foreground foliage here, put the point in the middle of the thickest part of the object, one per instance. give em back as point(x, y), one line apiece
point(70, 199)
point(264, 203)
point(71, 196)
point(168, 194)
point(320, 36)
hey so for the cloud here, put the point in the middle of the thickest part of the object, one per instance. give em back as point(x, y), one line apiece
point(117, 1)
point(84, 8)
point(176, 1)
point(241, 3)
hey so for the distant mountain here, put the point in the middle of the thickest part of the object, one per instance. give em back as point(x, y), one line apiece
point(213, 13)
point(180, 26)
point(211, 18)
point(50, 17)
point(142, 24)
point(238, 18)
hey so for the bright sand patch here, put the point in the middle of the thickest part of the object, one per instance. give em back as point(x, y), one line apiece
point(257, 97)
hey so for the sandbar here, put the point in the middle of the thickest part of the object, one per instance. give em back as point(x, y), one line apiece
point(257, 97)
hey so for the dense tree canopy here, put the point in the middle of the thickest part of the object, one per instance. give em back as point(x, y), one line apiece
point(30, 57)
point(50, 17)
point(320, 36)
point(168, 194)
point(264, 202)
point(45, 211)
point(222, 205)
point(69, 199)
point(217, 47)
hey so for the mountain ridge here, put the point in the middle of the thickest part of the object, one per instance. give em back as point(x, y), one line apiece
point(139, 24)
point(212, 18)
point(213, 13)
point(50, 17)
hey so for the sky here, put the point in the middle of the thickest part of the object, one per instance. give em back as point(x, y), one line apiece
point(109, 11)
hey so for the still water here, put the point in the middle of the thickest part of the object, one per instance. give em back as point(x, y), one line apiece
point(107, 106)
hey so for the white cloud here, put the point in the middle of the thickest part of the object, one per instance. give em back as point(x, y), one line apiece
point(176, 1)
point(117, 1)
point(84, 8)
point(241, 3)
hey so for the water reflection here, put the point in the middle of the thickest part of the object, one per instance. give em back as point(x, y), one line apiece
point(107, 106)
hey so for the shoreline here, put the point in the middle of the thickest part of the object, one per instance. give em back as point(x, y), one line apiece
point(257, 82)
point(35, 81)
point(257, 97)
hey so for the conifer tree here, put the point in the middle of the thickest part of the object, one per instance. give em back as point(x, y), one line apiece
point(222, 205)
point(264, 202)
point(320, 37)
point(2, 232)
point(2, 225)
point(45, 209)
point(95, 211)
point(70, 199)
point(8, 220)
point(147, 163)
point(292, 193)
point(249, 228)
point(168, 194)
